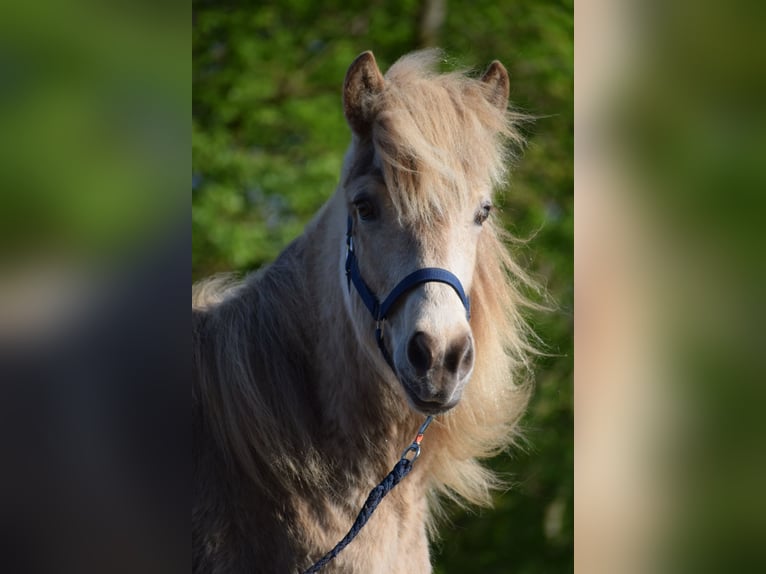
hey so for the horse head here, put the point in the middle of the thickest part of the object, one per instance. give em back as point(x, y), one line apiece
point(417, 186)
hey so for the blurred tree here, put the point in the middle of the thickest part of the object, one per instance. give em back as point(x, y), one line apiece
point(268, 138)
point(432, 14)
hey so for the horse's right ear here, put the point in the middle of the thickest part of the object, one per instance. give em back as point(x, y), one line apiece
point(363, 80)
point(497, 84)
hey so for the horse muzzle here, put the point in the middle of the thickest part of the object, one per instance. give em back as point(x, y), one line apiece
point(435, 375)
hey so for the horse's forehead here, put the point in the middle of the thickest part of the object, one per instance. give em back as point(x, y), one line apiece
point(420, 195)
point(361, 161)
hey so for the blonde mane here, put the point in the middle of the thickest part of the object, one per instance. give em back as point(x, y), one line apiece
point(284, 398)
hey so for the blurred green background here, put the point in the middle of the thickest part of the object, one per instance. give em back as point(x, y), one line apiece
point(94, 107)
point(267, 145)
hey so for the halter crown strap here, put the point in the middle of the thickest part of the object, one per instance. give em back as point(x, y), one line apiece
point(379, 311)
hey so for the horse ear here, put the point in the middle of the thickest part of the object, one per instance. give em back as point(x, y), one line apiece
point(498, 84)
point(363, 80)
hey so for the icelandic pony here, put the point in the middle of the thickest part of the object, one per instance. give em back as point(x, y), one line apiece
point(297, 414)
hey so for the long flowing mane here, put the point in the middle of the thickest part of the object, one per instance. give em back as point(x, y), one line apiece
point(265, 347)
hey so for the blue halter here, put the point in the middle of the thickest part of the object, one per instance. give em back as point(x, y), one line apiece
point(379, 310)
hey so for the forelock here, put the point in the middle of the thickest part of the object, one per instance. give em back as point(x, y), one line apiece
point(438, 140)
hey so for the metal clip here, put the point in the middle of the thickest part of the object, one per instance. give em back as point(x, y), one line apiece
point(412, 448)
point(415, 446)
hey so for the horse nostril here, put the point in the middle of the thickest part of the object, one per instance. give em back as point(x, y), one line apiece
point(420, 352)
point(459, 357)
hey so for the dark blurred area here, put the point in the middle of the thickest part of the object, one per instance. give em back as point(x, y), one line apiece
point(92, 424)
point(94, 251)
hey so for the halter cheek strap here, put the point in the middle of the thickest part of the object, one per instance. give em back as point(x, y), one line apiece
point(379, 311)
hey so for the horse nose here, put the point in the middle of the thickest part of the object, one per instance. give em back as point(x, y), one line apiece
point(420, 352)
point(458, 360)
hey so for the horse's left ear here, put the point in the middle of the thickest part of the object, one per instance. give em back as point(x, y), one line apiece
point(363, 80)
point(498, 84)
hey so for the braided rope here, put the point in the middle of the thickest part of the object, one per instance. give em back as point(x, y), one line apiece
point(402, 468)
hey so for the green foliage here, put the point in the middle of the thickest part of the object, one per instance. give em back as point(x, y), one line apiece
point(267, 145)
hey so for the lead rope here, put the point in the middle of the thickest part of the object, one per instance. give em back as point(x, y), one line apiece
point(400, 470)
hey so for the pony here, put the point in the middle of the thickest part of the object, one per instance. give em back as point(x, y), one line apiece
point(297, 414)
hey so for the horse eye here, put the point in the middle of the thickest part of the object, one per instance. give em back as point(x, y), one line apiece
point(483, 213)
point(365, 209)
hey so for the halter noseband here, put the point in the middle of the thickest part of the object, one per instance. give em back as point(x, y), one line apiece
point(379, 311)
